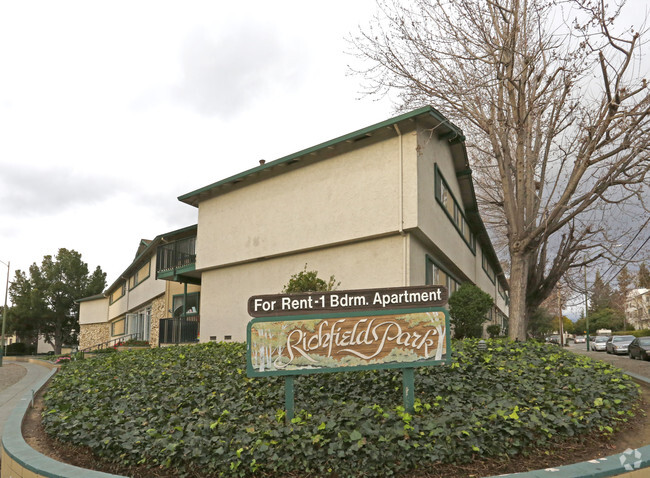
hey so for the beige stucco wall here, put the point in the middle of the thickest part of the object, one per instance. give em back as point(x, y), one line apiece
point(350, 196)
point(432, 220)
point(93, 311)
point(419, 249)
point(368, 216)
point(225, 292)
point(145, 291)
point(119, 307)
point(138, 296)
point(441, 239)
point(93, 334)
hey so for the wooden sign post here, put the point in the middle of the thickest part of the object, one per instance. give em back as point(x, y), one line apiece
point(326, 332)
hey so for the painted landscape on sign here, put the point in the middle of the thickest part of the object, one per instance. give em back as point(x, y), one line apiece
point(338, 342)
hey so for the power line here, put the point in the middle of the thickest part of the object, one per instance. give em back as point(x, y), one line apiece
point(626, 262)
point(626, 247)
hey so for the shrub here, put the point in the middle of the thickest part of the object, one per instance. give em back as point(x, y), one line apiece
point(468, 308)
point(308, 281)
point(193, 410)
point(636, 333)
point(493, 330)
point(63, 360)
point(17, 348)
point(20, 348)
point(135, 343)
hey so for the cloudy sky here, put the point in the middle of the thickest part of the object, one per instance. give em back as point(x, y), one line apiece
point(111, 110)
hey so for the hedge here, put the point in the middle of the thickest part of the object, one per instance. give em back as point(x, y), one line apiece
point(192, 410)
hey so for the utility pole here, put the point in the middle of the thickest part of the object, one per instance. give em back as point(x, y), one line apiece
point(587, 305)
point(559, 306)
point(4, 315)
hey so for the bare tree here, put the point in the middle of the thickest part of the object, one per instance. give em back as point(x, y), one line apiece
point(549, 94)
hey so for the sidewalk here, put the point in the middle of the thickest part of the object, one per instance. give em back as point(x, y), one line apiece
point(12, 395)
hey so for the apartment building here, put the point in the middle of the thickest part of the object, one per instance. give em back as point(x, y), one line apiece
point(389, 205)
point(139, 306)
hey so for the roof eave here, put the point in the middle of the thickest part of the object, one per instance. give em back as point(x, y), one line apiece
point(193, 198)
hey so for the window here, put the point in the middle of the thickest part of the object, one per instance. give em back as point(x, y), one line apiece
point(191, 307)
point(118, 327)
point(118, 293)
point(502, 293)
point(436, 275)
point(488, 268)
point(500, 319)
point(141, 275)
point(453, 210)
point(138, 324)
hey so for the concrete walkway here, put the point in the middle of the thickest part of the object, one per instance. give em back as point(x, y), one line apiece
point(12, 395)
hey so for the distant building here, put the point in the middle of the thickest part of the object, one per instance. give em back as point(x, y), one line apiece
point(637, 309)
point(138, 306)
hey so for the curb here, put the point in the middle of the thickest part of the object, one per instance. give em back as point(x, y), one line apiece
point(19, 460)
point(630, 461)
point(37, 361)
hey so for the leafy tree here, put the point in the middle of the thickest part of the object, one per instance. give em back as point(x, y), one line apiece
point(625, 281)
point(540, 323)
point(643, 277)
point(602, 296)
point(44, 302)
point(24, 315)
point(556, 115)
point(567, 324)
point(308, 281)
point(580, 326)
point(606, 318)
point(468, 309)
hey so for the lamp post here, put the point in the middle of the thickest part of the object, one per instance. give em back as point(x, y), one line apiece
point(4, 314)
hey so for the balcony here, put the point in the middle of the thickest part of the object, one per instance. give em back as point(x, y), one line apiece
point(175, 260)
point(181, 330)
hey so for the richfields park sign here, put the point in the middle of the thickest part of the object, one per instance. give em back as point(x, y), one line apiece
point(294, 334)
point(351, 330)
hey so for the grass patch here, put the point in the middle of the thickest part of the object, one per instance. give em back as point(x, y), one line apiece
point(193, 408)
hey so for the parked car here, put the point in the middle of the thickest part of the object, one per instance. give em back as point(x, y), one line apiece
point(579, 339)
point(618, 344)
point(640, 348)
point(599, 343)
point(554, 339)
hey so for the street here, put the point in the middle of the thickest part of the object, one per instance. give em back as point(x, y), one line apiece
point(624, 362)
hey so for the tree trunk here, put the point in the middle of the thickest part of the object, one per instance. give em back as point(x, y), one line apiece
point(518, 311)
point(58, 339)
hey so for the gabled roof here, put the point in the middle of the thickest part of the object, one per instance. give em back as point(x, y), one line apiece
point(144, 243)
point(445, 130)
point(145, 249)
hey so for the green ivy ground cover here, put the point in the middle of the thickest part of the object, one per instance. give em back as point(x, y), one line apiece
point(194, 410)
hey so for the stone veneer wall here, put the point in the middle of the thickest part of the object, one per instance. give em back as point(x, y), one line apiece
point(158, 311)
point(93, 334)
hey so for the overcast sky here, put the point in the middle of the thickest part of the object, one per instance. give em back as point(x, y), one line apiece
point(111, 110)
